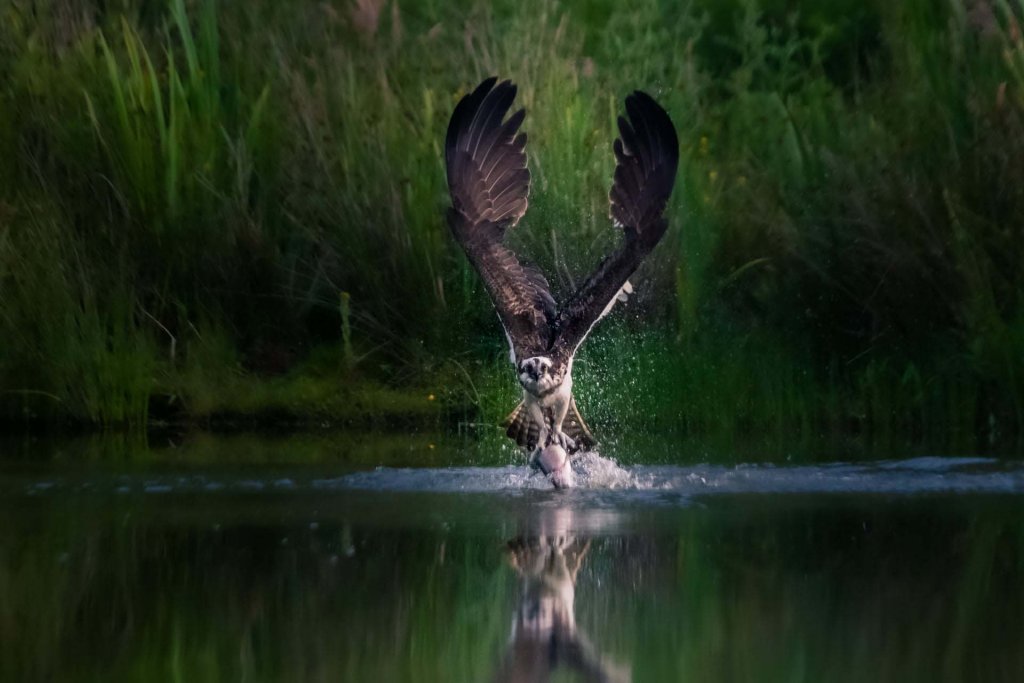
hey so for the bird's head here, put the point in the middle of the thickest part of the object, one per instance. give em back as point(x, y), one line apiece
point(538, 374)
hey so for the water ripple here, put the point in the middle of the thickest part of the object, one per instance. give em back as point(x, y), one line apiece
point(594, 473)
point(915, 476)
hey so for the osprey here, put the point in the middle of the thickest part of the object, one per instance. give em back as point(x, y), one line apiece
point(489, 184)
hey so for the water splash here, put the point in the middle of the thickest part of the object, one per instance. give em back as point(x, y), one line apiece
point(594, 473)
point(597, 473)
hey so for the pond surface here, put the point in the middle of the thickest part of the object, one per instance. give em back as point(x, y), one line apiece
point(166, 569)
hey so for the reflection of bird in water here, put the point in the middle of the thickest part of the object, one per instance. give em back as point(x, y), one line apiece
point(544, 633)
point(489, 184)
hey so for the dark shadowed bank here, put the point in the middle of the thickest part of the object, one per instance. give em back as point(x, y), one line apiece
point(233, 213)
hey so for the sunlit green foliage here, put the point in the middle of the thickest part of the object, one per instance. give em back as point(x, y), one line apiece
point(190, 188)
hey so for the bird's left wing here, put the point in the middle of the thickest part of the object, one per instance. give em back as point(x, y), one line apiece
point(647, 156)
point(489, 185)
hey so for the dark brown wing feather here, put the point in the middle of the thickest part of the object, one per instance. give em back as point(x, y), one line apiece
point(520, 428)
point(647, 156)
point(525, 432)
point(489, 185)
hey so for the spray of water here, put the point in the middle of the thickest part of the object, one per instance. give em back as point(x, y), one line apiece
point(595, 474)
point(594, 471)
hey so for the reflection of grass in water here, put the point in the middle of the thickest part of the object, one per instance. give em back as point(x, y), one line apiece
point(444, 632)
point(776, 590)
point(249, 605)
point(788, 599)
point(843, 248)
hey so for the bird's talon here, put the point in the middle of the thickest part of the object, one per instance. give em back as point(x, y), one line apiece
point(563, 440)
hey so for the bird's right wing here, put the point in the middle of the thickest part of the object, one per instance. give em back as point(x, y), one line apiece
point(489, 185)
point(647, 156)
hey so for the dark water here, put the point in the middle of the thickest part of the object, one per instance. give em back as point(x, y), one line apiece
point(899, 570)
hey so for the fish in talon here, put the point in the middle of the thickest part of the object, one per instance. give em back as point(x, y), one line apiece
point(554, 462)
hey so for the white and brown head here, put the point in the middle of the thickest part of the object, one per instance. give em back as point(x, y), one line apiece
point(539, 374)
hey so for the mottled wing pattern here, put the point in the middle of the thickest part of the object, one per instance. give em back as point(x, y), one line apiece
point(543, 291)
point(647, 156)
point(577, 429)
point(489, 184)
point(521, 429)
point(525, 432)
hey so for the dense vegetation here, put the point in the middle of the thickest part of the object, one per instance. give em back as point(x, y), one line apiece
point(237, 208)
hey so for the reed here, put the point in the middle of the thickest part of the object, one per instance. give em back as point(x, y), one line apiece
point(844, 243)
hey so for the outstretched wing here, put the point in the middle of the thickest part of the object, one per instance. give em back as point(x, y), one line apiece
point(647, 156)
point(489, 185)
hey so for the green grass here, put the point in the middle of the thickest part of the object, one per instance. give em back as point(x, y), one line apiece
point(203, 200)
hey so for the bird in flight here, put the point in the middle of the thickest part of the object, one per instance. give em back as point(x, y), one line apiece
point(489, 184)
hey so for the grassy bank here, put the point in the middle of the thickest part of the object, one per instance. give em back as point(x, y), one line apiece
point(231, 209)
